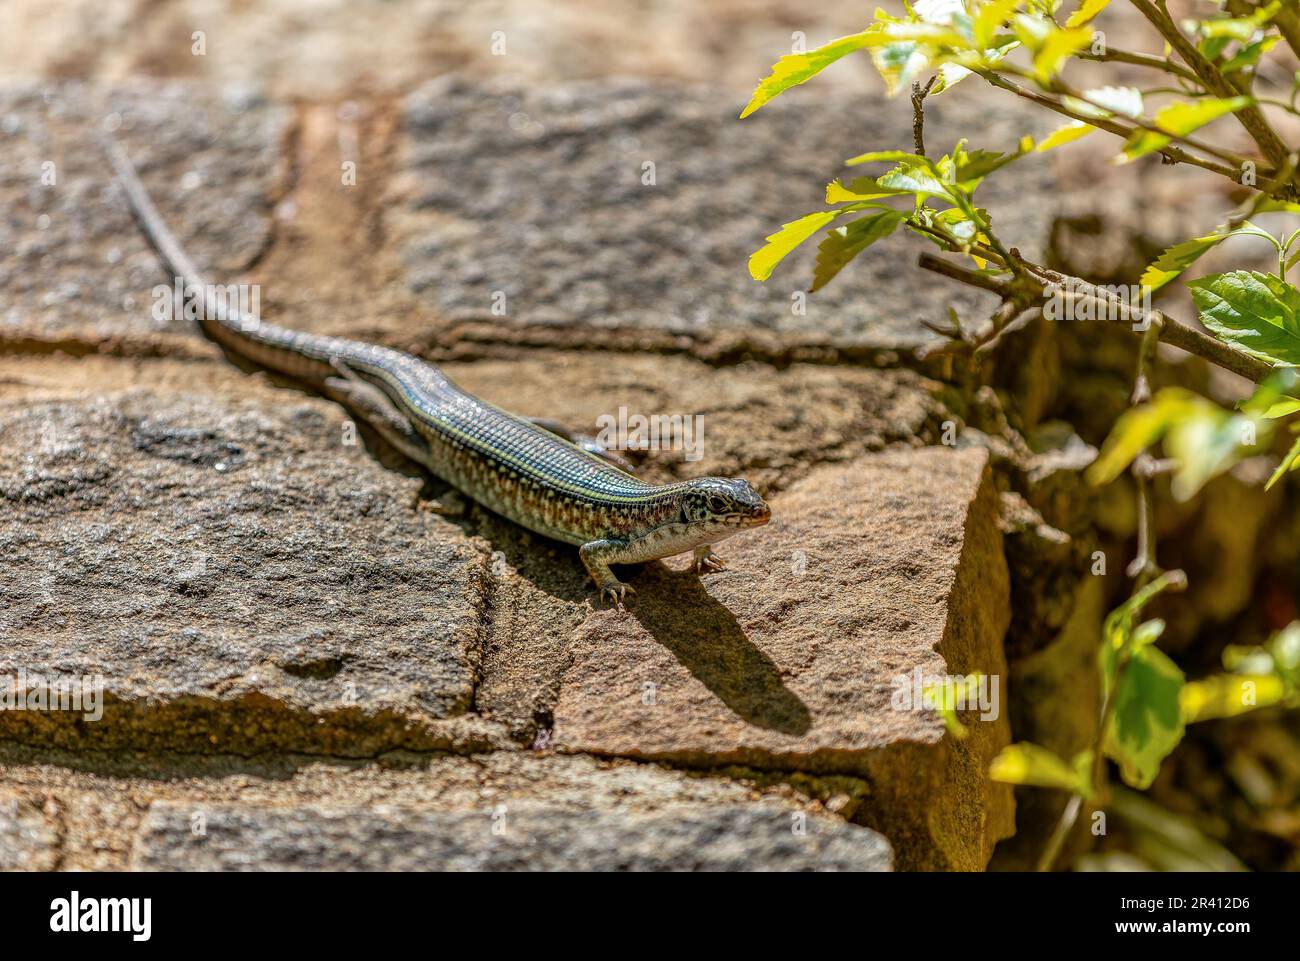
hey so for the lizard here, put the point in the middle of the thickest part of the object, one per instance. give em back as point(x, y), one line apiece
point(528, 472)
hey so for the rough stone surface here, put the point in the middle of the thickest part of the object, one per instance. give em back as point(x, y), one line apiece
point(530, 838)
point(124, 809)
point(566, 228)
point(239, 575)
point(76, 268)
point(377, 48)
point(869, 572)
point(28, 839)
point(251, 583)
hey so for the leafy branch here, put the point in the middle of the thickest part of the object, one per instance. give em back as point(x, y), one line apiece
point(1251, 320)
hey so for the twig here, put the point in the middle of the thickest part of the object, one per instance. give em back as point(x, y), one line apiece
point(1140, 60)
point(964, 275)
point(1231, 170)
point(1144, 567)
point(1171, 331)
point(918, 113)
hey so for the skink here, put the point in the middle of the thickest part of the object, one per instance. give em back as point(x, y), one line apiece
point(512, 466)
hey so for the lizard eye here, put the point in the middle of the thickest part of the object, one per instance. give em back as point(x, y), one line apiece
point(717, 505)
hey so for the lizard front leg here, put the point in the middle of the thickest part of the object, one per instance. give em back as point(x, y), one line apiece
point(596, 557)
point(706, 560)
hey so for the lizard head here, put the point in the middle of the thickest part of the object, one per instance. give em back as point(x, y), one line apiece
point(722, 506)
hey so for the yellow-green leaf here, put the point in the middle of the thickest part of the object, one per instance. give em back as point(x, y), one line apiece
point(888, 156)
point(1136, 430)
point(796, 68)
point(1183, 117)
point(764, 260)
point(1178, 120)
point(1289, 463)
point(989, 20)
point(1058, 46)
point(1087, 11)
point(1062, 135)
point(1178, 258)
point(1028, 763)
point(1227, 695)
point(863, 188)
point(1249, 55)
point(1281, 408)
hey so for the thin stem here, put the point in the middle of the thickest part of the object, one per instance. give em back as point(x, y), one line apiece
point(1250, 117)
point(1286, 19)
point(918, 114)
point(1144, 566)
point(1175, 154)
point(1141, 60)
point(1062, 831)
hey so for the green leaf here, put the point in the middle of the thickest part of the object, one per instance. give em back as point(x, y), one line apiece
point(1087, 11)
point(962, 64)
point(1289, 463)
point(796, 68)
point(974, 166)
point(1278, 396)
point(1147, 720)
point(1282, 408)
point(1249, 55)
point(844, 243)
point(1254, 312)
point(1028, 763)
point(947, 695)
point(1120, 639)
point(920, 179)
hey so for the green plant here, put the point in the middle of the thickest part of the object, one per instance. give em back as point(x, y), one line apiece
point(1210, 71)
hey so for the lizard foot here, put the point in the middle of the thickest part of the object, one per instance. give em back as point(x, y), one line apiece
point(617, 592)
point(707, 562)
point(451, 504)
